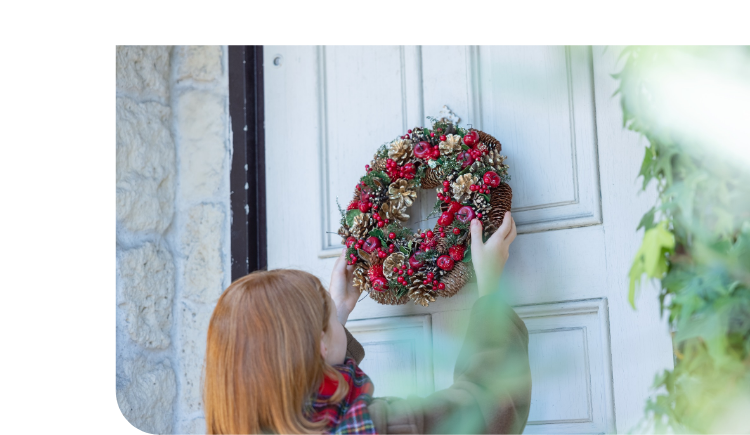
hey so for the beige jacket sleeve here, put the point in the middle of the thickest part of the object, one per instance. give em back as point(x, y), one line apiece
point(491, 389)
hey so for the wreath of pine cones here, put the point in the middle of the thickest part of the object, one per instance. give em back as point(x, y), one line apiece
point(394, 264)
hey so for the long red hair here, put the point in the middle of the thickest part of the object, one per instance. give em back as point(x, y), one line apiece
point(263, 356)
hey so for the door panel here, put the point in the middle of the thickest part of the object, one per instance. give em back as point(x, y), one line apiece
point(329, 108)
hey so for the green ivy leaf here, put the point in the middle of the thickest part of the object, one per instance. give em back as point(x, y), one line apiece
point(467, 256)
point(464, 147)
point(350, 215)
point(651, 257)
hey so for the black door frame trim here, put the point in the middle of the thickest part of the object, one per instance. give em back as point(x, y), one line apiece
point(247, 177)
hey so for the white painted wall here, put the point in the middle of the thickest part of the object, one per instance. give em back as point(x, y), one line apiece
point(173, 227)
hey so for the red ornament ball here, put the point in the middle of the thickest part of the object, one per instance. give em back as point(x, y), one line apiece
point(414, 262)
point(491, 179)
point(445, 262)
point(471, 138)
point(371, 244)
point(465, 214)
point(379, 283)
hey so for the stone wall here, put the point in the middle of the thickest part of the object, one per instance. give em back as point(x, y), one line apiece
point(173, 227)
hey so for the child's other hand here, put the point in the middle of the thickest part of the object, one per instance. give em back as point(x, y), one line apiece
point(343, 292)
point(489, 258)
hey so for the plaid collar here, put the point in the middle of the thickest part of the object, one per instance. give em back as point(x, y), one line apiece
point(350, 415)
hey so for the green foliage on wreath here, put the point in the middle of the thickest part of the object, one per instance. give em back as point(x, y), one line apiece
point(696, 241)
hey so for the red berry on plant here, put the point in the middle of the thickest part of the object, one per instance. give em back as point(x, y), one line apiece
point(432, 134)
point(442, 137)
point(445, 262)
point(364, 207)
point(381, 224)
point(392, 236)
point(429, 234)
point(441, 286)
point(456, 231)
point(442, 235)
point(410, 272)
point(409, 131)
point(430, 275)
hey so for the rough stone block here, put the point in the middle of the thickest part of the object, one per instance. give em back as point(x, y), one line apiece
point(198, 62)
point(145, 166)
point(201, 246)
point(147, 287)
point(147, 395)
point(193, 323)
point(202, 128)
point(143, 71)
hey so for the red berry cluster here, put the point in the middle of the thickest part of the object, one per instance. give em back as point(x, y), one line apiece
point(381, 222)
point(395, 171)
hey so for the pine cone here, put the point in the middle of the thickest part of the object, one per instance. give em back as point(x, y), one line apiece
point(389, 211)
point(462, 187)
point(360, 278)
point(481, 205)
point(489, 140)
point(378, 165)
point(400, 150)
point(362, 224)
point(500, 199)
point(402, 191)
point(388, 297)
point(419, 292)
point(397, 259)
point(451, 144)
point(432, 179)
point(422, 297)
point(455, 279)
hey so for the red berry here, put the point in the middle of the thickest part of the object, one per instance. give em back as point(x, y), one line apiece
point(443, 138)
point(442, 235)
point(445, 262)
point(479, 215)
point(456, 231)
point(446, 188)
point(435, 153)
point(432, 134)
point(410, 272)
point(429, 234)
point(409, 131)
point(430, 275)
point(364, 207)
point(445, 219)
point(473, 187)
point(465, 214)
point(441, 286)
point(446, 183)
point(392, 236)
point(381, 224)
point(457, 252)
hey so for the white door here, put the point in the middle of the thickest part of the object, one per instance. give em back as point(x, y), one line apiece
point(575, 200)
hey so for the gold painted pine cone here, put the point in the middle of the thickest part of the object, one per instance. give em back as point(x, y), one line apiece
point(431, 179)
point(387, 297)
point(402, 193)
point(397, 259)
point(361, 225)
point(390, 211)
point(455, 279)
point(360, 278)
point(378, 165)
point(422, 297)
point(400, 150)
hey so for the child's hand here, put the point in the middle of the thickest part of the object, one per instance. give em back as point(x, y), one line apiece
point(489, 258)
point(342, 289)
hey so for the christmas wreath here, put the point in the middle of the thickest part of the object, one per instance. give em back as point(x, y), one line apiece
point(394, 264)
